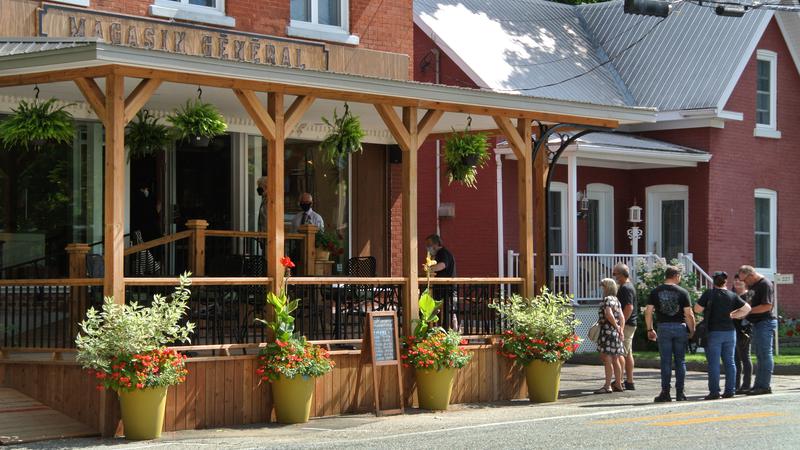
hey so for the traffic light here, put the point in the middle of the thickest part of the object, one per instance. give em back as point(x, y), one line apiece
point(656, 8)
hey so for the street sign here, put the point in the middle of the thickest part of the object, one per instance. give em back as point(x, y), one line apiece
point(784, 278)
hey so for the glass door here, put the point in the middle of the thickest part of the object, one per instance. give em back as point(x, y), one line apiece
point(667, 220)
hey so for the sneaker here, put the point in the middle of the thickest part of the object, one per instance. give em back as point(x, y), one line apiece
point(663, 397)
point(712, 397)
point(760, 391)
point(743, 391)
point(728, 395)
point(629, 386)
point(680, 397)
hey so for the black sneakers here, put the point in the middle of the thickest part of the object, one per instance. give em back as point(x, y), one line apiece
point(760, 391)
point(712, 397)
point(629, 386)
point(679, 397)
point(728, 395)
point(663, 397)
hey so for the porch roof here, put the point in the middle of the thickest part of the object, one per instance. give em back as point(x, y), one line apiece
point(57, 61)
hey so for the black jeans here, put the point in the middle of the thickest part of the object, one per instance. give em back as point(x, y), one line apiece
point(744, 367)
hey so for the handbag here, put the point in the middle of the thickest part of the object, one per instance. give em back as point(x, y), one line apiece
point(594, 332)
point(701, 330)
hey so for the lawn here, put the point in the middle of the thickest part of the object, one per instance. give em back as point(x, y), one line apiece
point(790, 356)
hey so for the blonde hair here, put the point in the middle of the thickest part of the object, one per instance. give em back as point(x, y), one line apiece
point(609, 287)
point(746, 270)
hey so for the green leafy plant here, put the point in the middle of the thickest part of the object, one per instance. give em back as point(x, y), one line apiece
point(145, 136)
point(344, 138)
point(650, 276)
point(289, 355)
point(124, 345)
point(465, 153)
point(33, 124)
point(539, 328)
point(329, 240)
point(197, 119)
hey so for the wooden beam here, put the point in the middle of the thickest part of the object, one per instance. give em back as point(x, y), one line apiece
point(295, 112)
point(114, 189)
point(427, 123)
point(396, 126)
point(525, 201)
point(94, 96)
point(513, 135)
point(540, 169)
point(263, 119)
point(140, 95)
point(275, 178)
point(409, 199)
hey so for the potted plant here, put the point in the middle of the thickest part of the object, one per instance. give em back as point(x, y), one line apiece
point(124, 348)
point(541, 336)
point(144, 136)
point(433, 352)
point(34, 124)
point(344, 138)
point(290, 363)
point(328, 243)
point(197, 122)
point(465, 153)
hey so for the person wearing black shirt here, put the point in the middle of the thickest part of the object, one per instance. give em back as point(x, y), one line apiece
point(719, 307)
point(626, 294)
point(675, 319)
point(445, 267)
point(765, 322)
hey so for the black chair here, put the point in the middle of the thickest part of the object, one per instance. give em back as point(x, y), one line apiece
point(362, 266)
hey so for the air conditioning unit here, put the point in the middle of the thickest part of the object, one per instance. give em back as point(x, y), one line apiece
point(447, 210)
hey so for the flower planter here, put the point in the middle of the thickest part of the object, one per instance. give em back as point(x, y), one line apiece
point(434, 388)
point(323, 255)
point(471, 160)
point(143, 412)
point(292, 398)
point(543, 379)
point(199, 141)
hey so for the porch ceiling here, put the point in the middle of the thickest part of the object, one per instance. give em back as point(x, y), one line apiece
point(57, 66)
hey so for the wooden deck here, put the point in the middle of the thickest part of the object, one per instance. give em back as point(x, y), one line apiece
point(23, 419)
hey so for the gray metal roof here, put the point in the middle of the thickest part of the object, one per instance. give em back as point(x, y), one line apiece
point(18, 46)
point(687, 61)
point(634, 142)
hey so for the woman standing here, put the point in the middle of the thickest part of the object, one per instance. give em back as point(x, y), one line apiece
point(744, 367)
point(610, 342)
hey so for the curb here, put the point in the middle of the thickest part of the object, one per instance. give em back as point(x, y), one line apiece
point(593, 359)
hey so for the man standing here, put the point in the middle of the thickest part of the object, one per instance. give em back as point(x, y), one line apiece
point(675, 319)
point(307, 215)
point(445, 267)
point(261, 190)
point(765, 322)
point(626, 295)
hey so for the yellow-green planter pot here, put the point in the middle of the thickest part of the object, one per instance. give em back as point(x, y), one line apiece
point(292, 398)
point(434, 387)
point(543, 379)
point(143, 412)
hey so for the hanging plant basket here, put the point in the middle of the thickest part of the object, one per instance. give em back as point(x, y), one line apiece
point(464, 154)
point(197, 122)
point(144, 136)
point(32, 125)
point(344, 138)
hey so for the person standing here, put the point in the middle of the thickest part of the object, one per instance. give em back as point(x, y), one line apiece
point(626, 294)
point(445, 267)
point(261, 190)
point(612, 321)
point(744, 329)
point(307, 215)
point(719, 307)
point(673, 309)
point(765, 322)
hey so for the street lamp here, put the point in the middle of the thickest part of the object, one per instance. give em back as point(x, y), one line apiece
point(634, 232)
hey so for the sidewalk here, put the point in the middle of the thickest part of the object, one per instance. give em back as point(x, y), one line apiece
point(593, 358)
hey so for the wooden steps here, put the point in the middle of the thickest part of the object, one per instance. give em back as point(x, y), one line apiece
point(23, 419)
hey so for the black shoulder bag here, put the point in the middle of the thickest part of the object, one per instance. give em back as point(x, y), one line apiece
point(701, 330)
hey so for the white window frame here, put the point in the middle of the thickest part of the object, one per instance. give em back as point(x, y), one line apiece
point(655, 195)
point(315, 30)
point(562, 188)
point(604, 194)
point(769, 130)
point(772, 196)
point(182, 10)
point(84, 3)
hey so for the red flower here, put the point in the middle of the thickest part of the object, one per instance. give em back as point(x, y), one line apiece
point(790, 333)
point(287, 262)
point(281, 344)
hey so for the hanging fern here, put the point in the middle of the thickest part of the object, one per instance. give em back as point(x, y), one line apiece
point(145, 136)
point(465, 153)
point(344, 138)
point(197, 118)
point(36, 123)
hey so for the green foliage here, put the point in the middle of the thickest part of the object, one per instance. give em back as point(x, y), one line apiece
point(197, 118)
point(145, 136)
point(344, 138)
point(293, 357)
point(119, 332)
point(329, 240)
point(652, 276)
point(542, 327)
point(283, 325)
point(435, 351)
point(427, 312)
point(36, 123)
point(459, 148)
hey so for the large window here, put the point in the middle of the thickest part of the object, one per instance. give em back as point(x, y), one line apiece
point(205, 11)
point(321, 19)
point(557, 218)
point(766, 228)
point(766, 94)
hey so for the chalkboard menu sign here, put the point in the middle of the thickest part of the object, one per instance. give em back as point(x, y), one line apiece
point(384, 342)
point(383, 347)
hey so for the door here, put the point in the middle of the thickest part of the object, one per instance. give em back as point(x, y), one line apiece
point(667, 220)
point(600, 218)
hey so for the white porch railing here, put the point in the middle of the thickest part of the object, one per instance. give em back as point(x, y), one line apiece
point(704, 281)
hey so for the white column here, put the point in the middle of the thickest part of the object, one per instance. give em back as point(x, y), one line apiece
point(572, 222)
point(498, 158)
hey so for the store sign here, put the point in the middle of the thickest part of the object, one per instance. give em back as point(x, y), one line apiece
point(184, 39)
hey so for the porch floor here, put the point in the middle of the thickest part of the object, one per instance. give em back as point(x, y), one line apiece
point(22, 420)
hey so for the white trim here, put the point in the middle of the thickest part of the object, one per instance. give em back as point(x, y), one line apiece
point(194, 13)
point(751, 47)
point(562, 188)
point(572, 218)
point(604, 194)
point(786, 29)
point(312, 29)
point(772, 58)
point(655, 195)
point(84, 3)
point(772, 196)
point(766, 133)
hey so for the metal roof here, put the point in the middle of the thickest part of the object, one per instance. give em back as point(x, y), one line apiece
point(19, 46)
point(687, 61)
point(634, 142)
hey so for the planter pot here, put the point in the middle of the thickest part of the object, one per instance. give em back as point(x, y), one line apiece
point(543, 379)
point(143, 412)
point(470, 160)
point(434, 388)
point(323, 255)
point(199, 141)
point(292, 398)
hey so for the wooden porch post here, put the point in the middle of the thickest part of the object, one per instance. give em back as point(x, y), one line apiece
point(77, 269)
point(197, 246)
point(114, 191)
point(309, 232)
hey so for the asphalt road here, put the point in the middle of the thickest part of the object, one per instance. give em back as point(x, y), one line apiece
point(579, 419)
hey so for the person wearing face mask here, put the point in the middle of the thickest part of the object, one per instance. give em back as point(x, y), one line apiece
point(445, 267)
point(307, 215)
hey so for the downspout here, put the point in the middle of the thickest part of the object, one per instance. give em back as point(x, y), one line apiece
point(498, 159)
point(436, 63)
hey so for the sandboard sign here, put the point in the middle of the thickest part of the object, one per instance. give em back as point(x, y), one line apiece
point(382, 344)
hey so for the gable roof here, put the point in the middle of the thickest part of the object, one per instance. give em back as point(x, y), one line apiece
point(690, 60)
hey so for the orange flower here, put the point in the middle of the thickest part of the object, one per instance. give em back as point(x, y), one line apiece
point(287, 262)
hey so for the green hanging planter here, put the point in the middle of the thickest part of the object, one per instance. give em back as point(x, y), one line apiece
point(464, 154)
point(344, 138)
point(144, 136)
point(197, 121)
point(37, 123)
